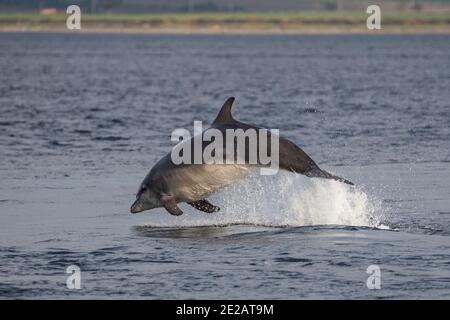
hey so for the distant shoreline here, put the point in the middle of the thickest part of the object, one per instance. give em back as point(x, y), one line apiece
point(232, 23)
point(213, 31)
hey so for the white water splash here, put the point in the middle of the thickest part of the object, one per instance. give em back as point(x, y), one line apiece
point(283, 200)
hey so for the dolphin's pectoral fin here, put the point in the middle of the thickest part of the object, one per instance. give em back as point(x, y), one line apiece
point(171, 205)
point(204, 205)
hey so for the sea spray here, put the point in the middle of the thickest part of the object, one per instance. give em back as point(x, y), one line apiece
point(286, 199)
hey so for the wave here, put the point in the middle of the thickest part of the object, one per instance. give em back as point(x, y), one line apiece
point(285, 199)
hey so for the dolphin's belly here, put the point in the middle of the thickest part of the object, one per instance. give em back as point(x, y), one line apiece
point(196, 182)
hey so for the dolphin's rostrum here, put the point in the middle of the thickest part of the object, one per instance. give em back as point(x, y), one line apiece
point(168, 184)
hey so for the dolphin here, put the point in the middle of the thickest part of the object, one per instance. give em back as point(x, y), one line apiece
point(168, 184)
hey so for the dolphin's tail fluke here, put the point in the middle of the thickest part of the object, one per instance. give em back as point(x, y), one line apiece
point(293, 158)
point(319, 173)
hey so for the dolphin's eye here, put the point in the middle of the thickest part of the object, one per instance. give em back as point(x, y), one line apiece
point(143, 189)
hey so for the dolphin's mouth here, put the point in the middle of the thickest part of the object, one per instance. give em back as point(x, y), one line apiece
point(136, 207)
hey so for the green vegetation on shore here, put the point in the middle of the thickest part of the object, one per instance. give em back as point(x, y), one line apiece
point(241, 21)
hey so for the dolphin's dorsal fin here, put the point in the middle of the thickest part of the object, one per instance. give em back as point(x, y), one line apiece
point(225, 113)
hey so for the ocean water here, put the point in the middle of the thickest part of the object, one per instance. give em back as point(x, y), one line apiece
point(85, 116)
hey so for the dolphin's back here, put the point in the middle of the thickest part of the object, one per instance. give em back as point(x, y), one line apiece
point(291, 157)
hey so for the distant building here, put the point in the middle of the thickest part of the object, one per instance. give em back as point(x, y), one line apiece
point(48, 11)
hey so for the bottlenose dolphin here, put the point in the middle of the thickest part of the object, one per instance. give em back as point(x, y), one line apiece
point(168, 184)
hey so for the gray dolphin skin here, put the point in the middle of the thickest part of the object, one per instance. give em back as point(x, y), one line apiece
point(168, 184)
